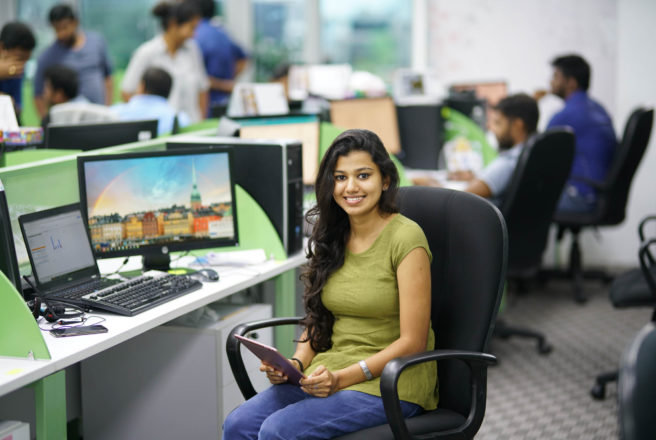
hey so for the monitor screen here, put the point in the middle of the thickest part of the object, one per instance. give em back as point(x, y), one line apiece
point(8, 260)
point(375, 114)
point(92, 136)
point(155, 202)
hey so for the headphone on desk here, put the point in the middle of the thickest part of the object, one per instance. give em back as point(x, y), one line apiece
point(54, 310)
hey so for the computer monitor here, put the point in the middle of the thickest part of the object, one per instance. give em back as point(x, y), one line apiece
point(8, 260)
point(307, 132)
point(99, 135)
point(154, 203)
point(375, 114)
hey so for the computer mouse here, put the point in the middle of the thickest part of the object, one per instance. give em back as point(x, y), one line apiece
point(209, 274)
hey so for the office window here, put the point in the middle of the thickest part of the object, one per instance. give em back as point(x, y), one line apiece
point(279, 28)
point(371, 35)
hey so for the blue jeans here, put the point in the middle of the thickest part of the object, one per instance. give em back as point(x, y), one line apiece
point(286, 412)
point(571, 201)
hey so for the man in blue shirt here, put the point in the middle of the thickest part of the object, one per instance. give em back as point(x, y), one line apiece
point(223, 58)
point(84, 52)
point(151, 102)
point(593, 129)
point(16, 45)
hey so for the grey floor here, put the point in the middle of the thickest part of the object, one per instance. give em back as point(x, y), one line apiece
point(533, 396)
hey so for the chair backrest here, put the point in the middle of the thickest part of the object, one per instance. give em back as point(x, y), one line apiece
point(468, 239)
point(532, 196)
point(627, 157)
point(636, 386)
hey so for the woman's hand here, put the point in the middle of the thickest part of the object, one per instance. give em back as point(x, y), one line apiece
point(321, 383)
point(275, 376)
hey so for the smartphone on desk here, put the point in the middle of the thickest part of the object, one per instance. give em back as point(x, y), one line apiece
point(77, 331)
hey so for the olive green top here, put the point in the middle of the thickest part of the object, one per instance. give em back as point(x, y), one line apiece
point(364, 297)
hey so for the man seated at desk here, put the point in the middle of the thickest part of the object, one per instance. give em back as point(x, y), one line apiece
point(65, 104)
point(151, 101)
point(513, 121)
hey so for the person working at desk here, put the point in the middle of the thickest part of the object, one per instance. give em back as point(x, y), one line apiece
point(16, 44)
point(367, 301)
point(151, 101)
point(84, 52)
point(593, 129)
point(513, 121)
point(65, 104)
point(176, 52)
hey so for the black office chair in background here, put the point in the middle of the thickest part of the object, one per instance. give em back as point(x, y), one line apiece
point(612, 195)
point(637, 385)
point(529, 205)
point(467, 236)
point(634, 288)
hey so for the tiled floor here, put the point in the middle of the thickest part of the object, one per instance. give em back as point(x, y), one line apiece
point(533, 396)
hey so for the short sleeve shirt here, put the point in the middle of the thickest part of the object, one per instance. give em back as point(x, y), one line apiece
point(91, 62)
point(498, 173)
point(363, 295)
point(185, 67)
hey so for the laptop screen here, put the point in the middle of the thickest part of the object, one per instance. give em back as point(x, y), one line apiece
point(58, 246)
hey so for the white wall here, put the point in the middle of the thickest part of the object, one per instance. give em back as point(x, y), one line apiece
point(473, 40)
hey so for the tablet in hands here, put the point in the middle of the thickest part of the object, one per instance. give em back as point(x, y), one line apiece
point(273, 357)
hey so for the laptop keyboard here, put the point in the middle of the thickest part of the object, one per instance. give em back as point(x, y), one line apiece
point(76, 292)
point(139, 294)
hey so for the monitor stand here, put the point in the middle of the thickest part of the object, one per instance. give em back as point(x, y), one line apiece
point(156, 262)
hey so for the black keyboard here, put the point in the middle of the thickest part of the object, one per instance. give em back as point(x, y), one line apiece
point(78, 291)
point(139, 294)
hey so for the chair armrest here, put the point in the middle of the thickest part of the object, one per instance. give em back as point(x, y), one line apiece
point(477, 362)
point(599, 186)
point(234, 355)
point(641, 226)
point(647, 264)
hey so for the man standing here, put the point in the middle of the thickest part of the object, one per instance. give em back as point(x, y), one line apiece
point(224, 59)
point(16, 45)
point(84, 52)
point(593, 129)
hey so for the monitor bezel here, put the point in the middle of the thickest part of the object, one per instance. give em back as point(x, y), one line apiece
point(149, 125)
point(9, 246)
point(160, 249)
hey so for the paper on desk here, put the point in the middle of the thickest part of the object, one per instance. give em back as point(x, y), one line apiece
point(8, 119)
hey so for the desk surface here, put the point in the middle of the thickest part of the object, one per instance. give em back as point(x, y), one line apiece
point(16, 373)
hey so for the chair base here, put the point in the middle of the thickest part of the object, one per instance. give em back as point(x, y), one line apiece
point(504, 331)
point(598, 391)
point(577, 279)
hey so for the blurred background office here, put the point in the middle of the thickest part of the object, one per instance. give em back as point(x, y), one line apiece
point(474, 40)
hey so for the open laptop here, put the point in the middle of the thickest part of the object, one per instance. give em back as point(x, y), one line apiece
point(59, 248)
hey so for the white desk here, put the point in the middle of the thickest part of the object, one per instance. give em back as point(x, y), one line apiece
point(17, 373)
point(441, 176)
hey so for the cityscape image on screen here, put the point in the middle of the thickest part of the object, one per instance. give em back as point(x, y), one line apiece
point(137, 202)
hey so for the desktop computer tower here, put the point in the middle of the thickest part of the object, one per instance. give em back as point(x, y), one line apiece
point(271, 171)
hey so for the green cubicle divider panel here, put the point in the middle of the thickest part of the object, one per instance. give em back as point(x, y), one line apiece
point(329, 132)
point(27, 156)
point(204, 125)
point(21, 336)
point(255, 229)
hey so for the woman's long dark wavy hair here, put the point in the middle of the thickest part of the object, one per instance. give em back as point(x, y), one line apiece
point(331, 230)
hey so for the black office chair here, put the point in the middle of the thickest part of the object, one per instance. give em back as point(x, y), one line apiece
point(637, 387)
point(634, 288)
point(612, 195)
point(529, 205)
point(467, 236)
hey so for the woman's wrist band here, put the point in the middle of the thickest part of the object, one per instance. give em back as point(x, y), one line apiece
point(365, 370)
point(300, 364)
